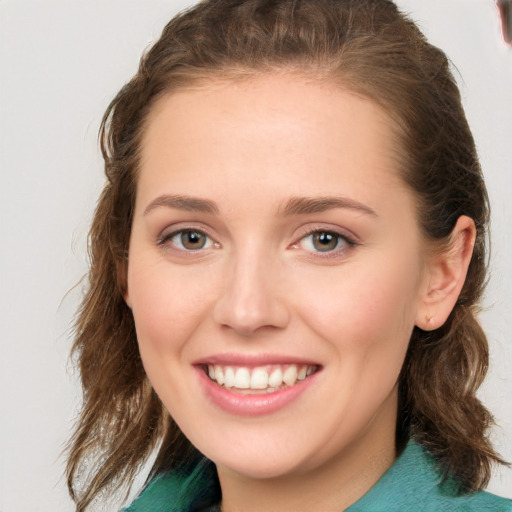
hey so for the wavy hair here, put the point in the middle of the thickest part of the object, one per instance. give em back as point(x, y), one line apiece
point(372, 49)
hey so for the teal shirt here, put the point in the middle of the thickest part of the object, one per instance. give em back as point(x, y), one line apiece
point(411, 484)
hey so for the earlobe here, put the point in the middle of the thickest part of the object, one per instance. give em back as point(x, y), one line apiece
point(126, 297)
point(123, 283)
point(445, 276)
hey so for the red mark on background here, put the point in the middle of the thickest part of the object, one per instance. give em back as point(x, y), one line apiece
point(505, 11)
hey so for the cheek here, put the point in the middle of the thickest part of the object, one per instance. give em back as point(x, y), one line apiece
point(367, 314)
point(374, 302)
point(166, 305)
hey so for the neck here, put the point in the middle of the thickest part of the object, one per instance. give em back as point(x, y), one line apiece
point(330, 487)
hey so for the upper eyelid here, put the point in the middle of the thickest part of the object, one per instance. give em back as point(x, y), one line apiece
point(334, 256)
point(345, 239)
point(330, 231)
point(165, 242)
point(178, 227)
point(344, 233)
point(172, 230)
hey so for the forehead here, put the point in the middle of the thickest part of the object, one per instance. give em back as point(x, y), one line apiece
point(271, 129)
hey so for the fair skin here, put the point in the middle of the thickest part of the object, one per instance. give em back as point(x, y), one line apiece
point(272, 231)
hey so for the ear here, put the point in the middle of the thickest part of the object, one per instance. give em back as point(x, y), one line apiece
point(122, 280)
point(126, 297)
point(445, 275)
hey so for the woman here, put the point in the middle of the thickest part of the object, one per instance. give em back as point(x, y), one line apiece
point(286, 263)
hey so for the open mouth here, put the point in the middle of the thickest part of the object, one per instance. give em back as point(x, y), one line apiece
point(260, 379)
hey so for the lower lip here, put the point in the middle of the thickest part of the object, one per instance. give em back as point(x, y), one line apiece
point(252, 405)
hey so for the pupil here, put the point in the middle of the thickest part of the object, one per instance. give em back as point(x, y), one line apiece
point(193, 240)
point(325, 241)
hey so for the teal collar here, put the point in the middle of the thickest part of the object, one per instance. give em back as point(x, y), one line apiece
point(415, 484)
point(411, 484)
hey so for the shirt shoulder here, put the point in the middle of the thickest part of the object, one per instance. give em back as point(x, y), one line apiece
point(414, 484)
point(185, 489)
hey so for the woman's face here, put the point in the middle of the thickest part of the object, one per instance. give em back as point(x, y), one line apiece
point(273, 239)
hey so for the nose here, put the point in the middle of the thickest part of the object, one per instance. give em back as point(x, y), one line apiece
point(251, 300)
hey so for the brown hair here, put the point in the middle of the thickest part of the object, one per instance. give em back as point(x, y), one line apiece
point(372, 49)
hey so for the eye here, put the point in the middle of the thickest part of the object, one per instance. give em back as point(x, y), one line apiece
point(324, 241)
point(188, 240)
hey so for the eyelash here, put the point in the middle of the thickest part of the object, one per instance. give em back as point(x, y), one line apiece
point(349, 242)
point(166, 240)
point(342, 238)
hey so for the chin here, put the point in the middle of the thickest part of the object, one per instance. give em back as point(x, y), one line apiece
point(259, 467)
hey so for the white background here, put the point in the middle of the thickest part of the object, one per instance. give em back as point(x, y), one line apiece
point(61, 62)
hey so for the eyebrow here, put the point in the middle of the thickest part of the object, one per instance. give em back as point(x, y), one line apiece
point(294, 206)
point(180, 202)
point(306, 205)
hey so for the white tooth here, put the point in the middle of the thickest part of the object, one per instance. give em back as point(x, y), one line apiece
point(309, 370)
point(276, 378)
point(242, 378)
point(259, 379)
point(270, 390)
point(211, 372)
point(229, 377)
point(219, 375)
point(290, 375)
point(301, 375)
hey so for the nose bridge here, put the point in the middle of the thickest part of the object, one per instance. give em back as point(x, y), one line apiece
point(251, 296)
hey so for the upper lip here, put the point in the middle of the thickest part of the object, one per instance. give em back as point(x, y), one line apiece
point(252, 360)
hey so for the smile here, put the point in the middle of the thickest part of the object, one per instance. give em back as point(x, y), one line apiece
point(260, 379)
